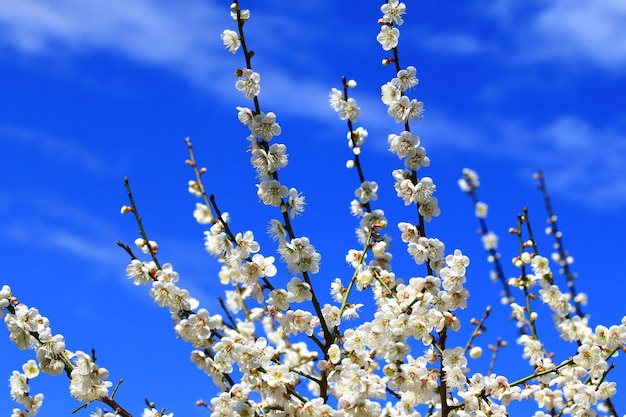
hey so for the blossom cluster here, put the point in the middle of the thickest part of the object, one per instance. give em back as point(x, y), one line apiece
point(577, 384)
point(280, 347)
point(28, 329)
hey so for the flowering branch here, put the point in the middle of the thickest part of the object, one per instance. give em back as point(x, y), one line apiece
point(562, 257)
point(278, 349)
point(469, 184)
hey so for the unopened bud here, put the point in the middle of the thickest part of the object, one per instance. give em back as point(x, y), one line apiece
point(379, 249)
point(381, 224)
point(334, 354)
point(581, 298)
point(476, 352)
point(389, 370)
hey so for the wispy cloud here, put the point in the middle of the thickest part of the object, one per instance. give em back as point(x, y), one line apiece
point(594, 31)
point(49, 222)
point(182, 37)
point(52, 228)
point(585, 162)
point(59, 150)
point(575, 31)
point(456, 43)
point(570, 32)
point(154, 31)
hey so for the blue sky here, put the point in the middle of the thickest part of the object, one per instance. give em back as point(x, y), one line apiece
point(95, 91)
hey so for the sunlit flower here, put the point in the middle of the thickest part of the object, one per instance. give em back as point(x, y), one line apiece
point(272, 193)
point(367, 192)
point(30, 368)
point(264, 126)
point(248, 83)
point(349, 111)
point(336, 100)
point(404, 110)
point(407, 78)
point(295, 203)
point(393, 11)
point(231, 40)
point(203, 214)
point(388, 37)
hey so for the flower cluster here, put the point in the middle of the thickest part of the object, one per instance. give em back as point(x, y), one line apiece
point(469, 183)
point(580, 380)
point(20, 390)
point(88, 379)
point(282, 348)
point(28, 329)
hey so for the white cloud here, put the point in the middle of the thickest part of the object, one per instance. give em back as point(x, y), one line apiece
point(572, 31)
point(583, 162)
point(60, 150)
point(595, 30)
point(586, 161)
point(52, 211)
point(455, 43)
point(45, 235)
point(153, 31)
point(182, 37)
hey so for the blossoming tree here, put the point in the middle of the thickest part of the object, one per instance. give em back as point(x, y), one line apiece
point(281, 347)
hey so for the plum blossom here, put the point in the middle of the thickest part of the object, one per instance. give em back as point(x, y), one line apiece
point(406, 79)
point(203, 214)
point(388, 37)
point(264, 126)
point(268, 358)
point(88, 379)
point(271, 192)
point(231, 40)
point(349, 110)
point(295, 203)
point(393, 11)
point(248, 83)
point(336, 99)
point(404, 110)
point(367, 192)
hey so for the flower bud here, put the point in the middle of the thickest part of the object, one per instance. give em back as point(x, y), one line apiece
point(334, 354)
point(476, 352)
